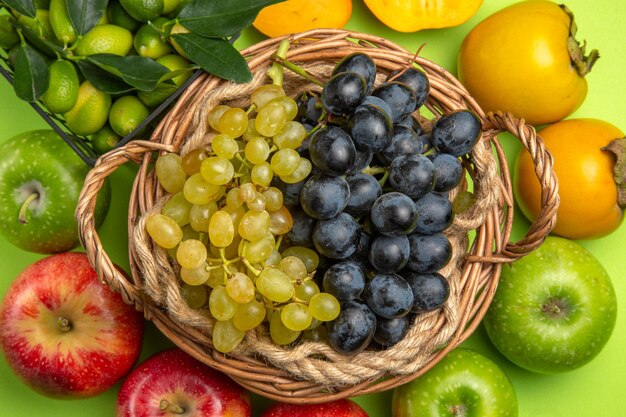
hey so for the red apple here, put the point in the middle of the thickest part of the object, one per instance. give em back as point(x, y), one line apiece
point(339, 408)
point(172, 383)
point(65, 333)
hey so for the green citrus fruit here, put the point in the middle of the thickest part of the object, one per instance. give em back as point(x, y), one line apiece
point(127, 112)
point(143, 10)
point(176, 62)
point(170, 5)
point(62, 92)
point(104, 140)
point(105, 39)
point(8, 35)
point(120, 17)
point(13, 55)
point(40, 24)
point(158, 95)
point(178, 28)
point(148, 41)
point(42, 4)
point(60, 22)
point(90, 112)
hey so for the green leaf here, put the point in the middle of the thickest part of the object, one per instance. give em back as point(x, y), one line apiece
point(215, 56)
point(140, 72)
point(25, 7)
point(103, 80)
point(31, 74)
point(221, 18)
point(85, 14)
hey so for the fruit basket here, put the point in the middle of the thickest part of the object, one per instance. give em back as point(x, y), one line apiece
point(310, 372)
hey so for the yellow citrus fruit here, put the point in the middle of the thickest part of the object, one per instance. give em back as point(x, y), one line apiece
point(120, 17)
point(62, 92)
point(105, 39)
point(143, 10)
point(127, 112)
point(8, 34)
point(178, 28)
point(60, 22)
point(104, 140)
point(176, 62)
point(90, 112)
point(149, 42)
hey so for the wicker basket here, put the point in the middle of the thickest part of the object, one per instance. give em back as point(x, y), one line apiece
point(313, 372)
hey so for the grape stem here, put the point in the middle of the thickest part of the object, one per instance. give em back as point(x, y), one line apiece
point(248, 265)
point(374, 170)
point(276, 72)
point(297, 69)
point(22, 214)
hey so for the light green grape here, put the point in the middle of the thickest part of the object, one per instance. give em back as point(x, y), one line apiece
point(275, 285)
point(221, 305)
point(236, 214)
point(308, 256)
point(272, 260)
point(291, 136)
point(302, 171)
point(305, 290)
point(196, 296)
point(249, 315)
point(216, 277)
point(233, 122)
point(294, 267)
point(273, 199)
point(257, 251)
point(261, 174)
point(178, 209)
point(240, 288)
point(224, 146)
point(285, 162)
point(196, 276)
point(191, 254)
point(217, 170)
point(247, 192)
point(215, 115)
point(221, 229)
point(193, 159)
point(265, 93)
point(290, 105)
point(254, 225)
point(226, 337)
point(279, 333)
point(296, 316)
point(198, 191)
point(257, 151)
point(251, 131)
point(281, 221)
point(200, 215)
point(258, 203)
point(164, 231)
point(270, 119)
point(324, 307)
point(233, 198)
point(170, 173)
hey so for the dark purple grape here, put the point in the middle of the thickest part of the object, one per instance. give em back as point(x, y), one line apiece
point(360, 63)
point(301, 233)
point(337, 238)
point(413, 175)
point(429, 253)
point(309, 108)
point(430, 291)
point(364, 190)
point(404, 142)
point(343, 93)
point(291, 192)
point(388, 295)
point(362, 161)
point(389, 254)
point(323, 197)
point(391, 331)
point(370, 128)
point(435, 214)
point(456, 133)
point(394, 214)
point(415, 79)
point(411, 122)
point(345, 280)
point(360, 256)
point(353, 330)
point(332, 151)
point(448, 171)
point(400, 98)
point(378, 102)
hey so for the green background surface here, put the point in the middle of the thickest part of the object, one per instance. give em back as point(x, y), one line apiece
point(596, 389)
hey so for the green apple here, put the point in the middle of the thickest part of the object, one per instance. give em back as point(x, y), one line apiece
point(463, 384)
point(554, 310)
point(40, 181)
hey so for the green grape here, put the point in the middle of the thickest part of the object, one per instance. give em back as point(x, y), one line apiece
point(164, 231)
point(226, 337)
point(236, 214)
point(308, 256)
point(233, 122)
point(272, 260)
point(296, 316)
point(291, 136)
point(258, 204)
point(200, 214)
point(270, 119)
point(191, 254)
point(233, 198)
point(262, 174)
point(302, 171)
point(216, 277)
point(247, 192)
point(196, 296)
point(273, 199)
point(222, 307)
point(217, 170)
point(280, 334)
point(240, 288)
point(324, 307)
point(249, 315)
point(254, 225)
point(251, 131)
point(290, 105)
point(314, 323)
point(198, 191)
point(169, 172)
point(196, 276)
point(317, 334)
point(221, 229)
point(265, 93)
point(224, 146)
point(257, 151)
point(285, 161)
point(215, 114)
point(275, 285)
point(193, 159)
point(188, 233)
point(177, 208)
point(294, 267)
point(281, 221)
point(257, 251)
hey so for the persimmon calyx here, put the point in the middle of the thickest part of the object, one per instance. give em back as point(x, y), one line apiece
point(583, 63)
point(618, 148)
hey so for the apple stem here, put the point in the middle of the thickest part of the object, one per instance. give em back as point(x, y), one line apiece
point(64, 324)
point(165, 405)
point(24, 208)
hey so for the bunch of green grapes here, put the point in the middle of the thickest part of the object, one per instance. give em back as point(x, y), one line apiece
point(224, 223)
